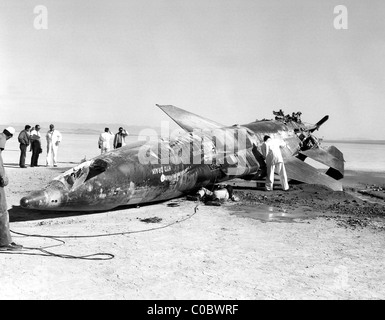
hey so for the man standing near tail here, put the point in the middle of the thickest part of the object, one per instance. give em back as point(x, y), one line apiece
point(274, 162)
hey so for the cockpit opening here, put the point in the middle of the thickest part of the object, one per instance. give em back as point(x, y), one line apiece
point(97, 167)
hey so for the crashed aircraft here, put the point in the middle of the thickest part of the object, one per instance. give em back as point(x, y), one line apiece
point(207, 153)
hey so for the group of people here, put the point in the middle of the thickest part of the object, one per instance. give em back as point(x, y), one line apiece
point(32, 138)
point(107, 136)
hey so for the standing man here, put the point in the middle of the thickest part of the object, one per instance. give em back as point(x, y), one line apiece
point(35, 146)
point(105, 140)
point(24, 143)
point(53, 140)
point(5, 235)
point(119, 139)
point(272, 153)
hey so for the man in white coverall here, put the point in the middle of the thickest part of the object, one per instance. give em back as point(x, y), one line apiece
point(274, 162)
point(105, 140)
point(53, 140)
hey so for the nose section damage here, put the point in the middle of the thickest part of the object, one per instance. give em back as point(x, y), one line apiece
point(51, 197)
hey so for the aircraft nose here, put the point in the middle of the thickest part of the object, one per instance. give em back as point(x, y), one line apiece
point(25, 202)
point(51, 197)
point(35, 200)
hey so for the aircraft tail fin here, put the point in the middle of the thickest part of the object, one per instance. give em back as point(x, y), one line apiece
point(298, 170)
point(188, 120)
point(331, 157)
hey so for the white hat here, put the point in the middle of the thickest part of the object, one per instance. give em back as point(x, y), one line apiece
point(11, 130)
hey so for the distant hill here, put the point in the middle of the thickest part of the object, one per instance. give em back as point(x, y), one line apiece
point(97, 128)
point(357, 141)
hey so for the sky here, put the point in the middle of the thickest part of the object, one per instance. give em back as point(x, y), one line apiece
point(233, 61)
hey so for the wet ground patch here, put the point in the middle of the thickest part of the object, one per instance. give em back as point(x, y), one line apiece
point(302, 202)
point(266, 213)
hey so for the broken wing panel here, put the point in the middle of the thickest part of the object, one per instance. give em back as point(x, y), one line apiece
point(331, 157)
point(187, 120)
point(301, 171)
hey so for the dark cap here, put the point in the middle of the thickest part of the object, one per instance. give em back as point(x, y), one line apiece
point(10, 131)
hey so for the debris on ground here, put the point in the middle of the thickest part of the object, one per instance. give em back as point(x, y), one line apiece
point(151, 220)
point(173, 204)
point(215, 197)
point(374, 191)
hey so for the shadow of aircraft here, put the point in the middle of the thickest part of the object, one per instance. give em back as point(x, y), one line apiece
point(19, 214)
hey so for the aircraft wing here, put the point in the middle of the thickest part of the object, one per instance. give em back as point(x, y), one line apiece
point(188, 120)
point(298, 170)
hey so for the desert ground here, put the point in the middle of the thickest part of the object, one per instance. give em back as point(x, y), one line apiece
point(307, 243)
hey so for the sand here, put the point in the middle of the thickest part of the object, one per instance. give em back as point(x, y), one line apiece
point(307, 243)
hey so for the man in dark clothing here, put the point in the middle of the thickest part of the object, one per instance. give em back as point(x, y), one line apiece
point(119, 138)
point(5, 235)
point(24, 143)
point(35, 146)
